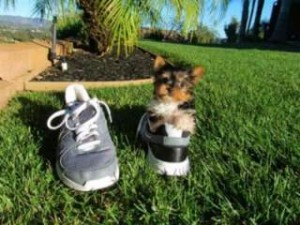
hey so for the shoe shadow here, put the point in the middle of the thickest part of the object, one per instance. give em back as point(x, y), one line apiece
point(34, 114)
point(125, 123)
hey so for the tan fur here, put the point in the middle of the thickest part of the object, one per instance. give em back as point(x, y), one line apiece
point(161, 91)
point(180, 96)
point(159, 62)
point(197, 74)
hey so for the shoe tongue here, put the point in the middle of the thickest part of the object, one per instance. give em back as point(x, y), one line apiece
point(74, 106)
point(85, 114)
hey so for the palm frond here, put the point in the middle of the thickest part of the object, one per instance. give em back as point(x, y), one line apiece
point(46, 8)
point(124, 17)
point(219, 7)
point(42, 8)
point(150, 12)
point(123, 21)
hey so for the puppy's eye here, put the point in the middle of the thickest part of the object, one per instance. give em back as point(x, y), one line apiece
point(164, 80)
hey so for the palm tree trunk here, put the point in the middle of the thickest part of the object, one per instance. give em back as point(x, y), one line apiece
point(280, 32)
point(245, 14)
point(251, 16)
point(256, 25)
point(98, 33)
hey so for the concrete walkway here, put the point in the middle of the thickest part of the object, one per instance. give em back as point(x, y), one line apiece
point(21, 62)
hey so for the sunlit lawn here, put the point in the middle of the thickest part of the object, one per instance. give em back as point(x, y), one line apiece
point(245, 155)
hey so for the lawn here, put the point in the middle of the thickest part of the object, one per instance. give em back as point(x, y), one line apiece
point(245, 156)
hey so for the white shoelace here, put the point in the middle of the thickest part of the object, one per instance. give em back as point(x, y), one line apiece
point(85, 130)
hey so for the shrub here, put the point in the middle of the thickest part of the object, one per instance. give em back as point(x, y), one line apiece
point(202, 34)
point(23, 35)
point(231, 30)
point(152, 33)
point(71, 25)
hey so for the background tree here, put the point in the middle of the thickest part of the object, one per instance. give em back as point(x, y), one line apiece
point(250, 17)
point(98, 33)
point(244, 19)
point(280, 32)
point(202, 35)
point(124, 18)
point(256, 25)
point(231, 30)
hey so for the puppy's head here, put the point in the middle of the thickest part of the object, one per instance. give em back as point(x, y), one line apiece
point(174, 84)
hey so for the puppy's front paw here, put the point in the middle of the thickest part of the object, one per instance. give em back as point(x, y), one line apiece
point(184, 122)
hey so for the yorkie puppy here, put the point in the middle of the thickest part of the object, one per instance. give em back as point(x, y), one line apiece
point(173, 101)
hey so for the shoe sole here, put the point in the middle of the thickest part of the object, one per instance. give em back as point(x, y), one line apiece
point(90, 185)
point(168, 168)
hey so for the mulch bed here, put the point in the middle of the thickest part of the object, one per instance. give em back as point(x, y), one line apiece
point(85, 66)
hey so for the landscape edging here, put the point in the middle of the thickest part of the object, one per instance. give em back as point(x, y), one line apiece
point(59, 86)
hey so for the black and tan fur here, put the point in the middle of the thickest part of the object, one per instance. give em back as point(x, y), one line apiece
point(173, 96)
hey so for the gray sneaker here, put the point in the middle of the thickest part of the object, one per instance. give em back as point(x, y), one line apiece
point(86, 155)
point(167, 148)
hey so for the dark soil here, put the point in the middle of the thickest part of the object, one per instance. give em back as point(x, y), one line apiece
point(85, 66)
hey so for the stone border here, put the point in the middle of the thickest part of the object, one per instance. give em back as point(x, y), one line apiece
point(59, 86)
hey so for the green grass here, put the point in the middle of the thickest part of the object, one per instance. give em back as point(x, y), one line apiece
point(245, 155)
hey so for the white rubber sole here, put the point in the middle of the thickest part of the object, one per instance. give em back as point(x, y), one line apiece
point(90, 185)
point(168, 168)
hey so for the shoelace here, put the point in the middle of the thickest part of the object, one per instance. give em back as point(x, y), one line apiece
point(85, 130)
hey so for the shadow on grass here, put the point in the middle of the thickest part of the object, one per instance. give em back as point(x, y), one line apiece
point(125, 123)
point(34, 114)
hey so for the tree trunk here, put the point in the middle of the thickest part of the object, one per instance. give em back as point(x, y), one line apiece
point(280, 31)
point(256, 25)
point(244, 20)
point(251, 16)
point(98, 33)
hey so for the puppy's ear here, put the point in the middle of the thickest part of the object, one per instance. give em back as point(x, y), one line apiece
point(197, 74)
point(159, 63)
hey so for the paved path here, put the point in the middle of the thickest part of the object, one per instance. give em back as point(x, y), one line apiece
point(19, 63)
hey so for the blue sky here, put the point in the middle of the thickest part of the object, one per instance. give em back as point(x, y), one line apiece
point(217, 22)
point(23, 8)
